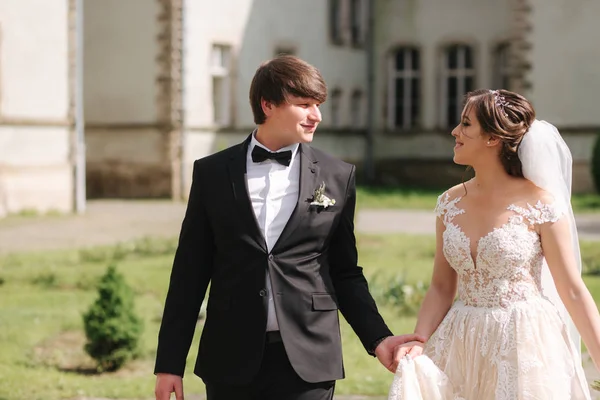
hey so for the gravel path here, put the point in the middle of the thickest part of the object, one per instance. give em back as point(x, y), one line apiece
point(111, 221)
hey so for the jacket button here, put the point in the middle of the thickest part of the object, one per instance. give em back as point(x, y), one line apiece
point(262, 293)
point(271, 257)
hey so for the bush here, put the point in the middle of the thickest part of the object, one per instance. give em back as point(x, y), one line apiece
point(144, 247)
point(406, 298)
point(590, 258)
point(596, 164)
point(46, 279)
point(591, 266)
point(112, 328)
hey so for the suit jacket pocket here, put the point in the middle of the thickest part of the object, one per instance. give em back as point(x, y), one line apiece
point(323, 302)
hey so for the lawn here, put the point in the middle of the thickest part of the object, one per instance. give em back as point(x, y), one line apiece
point(415, 198)
point(42, 297)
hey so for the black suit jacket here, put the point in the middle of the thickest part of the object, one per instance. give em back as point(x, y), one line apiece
point(313, 269)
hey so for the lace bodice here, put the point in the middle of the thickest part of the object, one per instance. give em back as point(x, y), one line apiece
point(507, 262)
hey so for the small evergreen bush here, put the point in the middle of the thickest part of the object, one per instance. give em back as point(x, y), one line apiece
point(112, 328)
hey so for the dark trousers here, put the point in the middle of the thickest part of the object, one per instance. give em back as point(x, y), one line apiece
point(276, 380)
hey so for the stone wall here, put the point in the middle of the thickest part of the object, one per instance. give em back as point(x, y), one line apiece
point(133, 89)
point(127, 162)
point(36, 173)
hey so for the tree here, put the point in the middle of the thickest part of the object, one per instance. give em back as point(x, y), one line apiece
point(112, 328)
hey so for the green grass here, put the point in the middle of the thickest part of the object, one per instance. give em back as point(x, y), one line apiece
point(425, 199)
point(42, 297)
point(396, 197)
point(583, 203)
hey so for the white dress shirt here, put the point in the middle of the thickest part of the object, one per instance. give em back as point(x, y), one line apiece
point(273, 189)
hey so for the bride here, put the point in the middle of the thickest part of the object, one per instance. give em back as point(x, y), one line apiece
point(507, 249)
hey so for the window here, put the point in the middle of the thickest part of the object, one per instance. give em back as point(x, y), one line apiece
point(281, 50)
point(501, 67)
point(335, 21)
point(358, 22)
point(220, 67)
point(348, 20)
point(357, 109)
point(404, 88)
point(336, 97)
point(458, 78)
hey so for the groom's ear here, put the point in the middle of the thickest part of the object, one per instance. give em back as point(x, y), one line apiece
point(267, 107)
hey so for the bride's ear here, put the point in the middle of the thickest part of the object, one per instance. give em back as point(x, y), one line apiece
point(492, 141)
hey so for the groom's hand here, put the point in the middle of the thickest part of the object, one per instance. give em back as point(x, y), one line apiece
point(385, 350)
point(167, 384)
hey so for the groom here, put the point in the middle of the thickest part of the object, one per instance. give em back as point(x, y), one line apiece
point(269, 224)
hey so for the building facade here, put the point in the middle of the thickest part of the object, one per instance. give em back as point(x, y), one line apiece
point(36, 113)
point(166, 82)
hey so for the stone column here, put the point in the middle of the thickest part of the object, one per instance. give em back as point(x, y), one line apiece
point(519, 61)
point(169, 82)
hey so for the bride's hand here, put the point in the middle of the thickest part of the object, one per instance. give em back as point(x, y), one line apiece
point(413, 349)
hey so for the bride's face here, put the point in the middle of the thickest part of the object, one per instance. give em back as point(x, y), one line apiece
point(471, 141)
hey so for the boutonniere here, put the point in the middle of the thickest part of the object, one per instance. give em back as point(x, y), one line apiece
point(319, 198)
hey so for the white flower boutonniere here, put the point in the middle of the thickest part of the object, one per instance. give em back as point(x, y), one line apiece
point(319, 198)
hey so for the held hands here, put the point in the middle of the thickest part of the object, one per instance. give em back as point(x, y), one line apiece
point(388, 349)
point(167, 384)
point(412, 349)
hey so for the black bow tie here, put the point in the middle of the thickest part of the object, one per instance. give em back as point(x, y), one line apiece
point(259, 155)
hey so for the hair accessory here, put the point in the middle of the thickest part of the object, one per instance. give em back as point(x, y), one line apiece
point(500, 101)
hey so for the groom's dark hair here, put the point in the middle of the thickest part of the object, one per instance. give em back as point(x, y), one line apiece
point(282, 76)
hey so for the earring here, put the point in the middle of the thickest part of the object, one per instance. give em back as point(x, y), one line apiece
point(488, 142)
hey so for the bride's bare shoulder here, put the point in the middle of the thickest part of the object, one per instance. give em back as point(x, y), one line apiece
point(455, 191)
point(531, 194)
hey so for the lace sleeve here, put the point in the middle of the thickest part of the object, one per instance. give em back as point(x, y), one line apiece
point(439, 209)
point(540, 213)
point(446, 209)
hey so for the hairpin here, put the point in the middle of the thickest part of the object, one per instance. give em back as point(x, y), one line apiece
point(500, 101)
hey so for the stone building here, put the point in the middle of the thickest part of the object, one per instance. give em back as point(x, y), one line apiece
point(164, 82)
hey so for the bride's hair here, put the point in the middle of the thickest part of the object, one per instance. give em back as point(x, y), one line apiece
point(504, 115)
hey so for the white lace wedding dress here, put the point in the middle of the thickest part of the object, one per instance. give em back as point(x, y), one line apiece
point(501, 339)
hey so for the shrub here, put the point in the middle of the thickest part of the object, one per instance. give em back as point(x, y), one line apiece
point(144, 247)
point(406, 298)
point(596, 164)
point(112, 328)
point(45, 279)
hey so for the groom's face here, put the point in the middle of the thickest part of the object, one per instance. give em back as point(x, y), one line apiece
point(295, 120)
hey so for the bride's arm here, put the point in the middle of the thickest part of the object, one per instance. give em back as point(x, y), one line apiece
point(576, 297)
point(441, 292)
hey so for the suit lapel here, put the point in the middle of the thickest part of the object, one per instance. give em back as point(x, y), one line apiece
point(239, 183)
point(309, 176)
